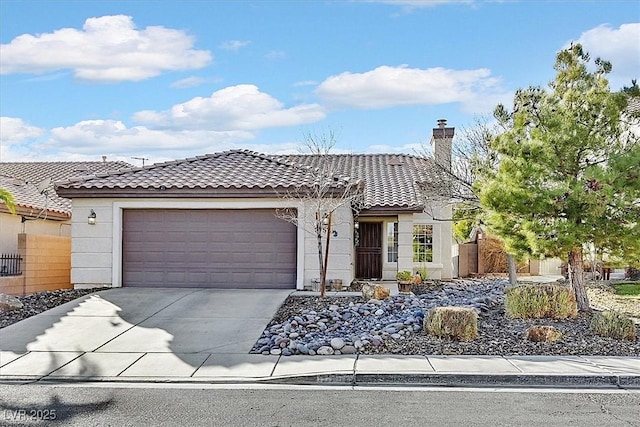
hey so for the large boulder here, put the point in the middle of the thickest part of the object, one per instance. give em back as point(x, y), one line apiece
point(378, 292)
point(543, 334)
point(8, 303)
point(381, 293)
point(367, 290)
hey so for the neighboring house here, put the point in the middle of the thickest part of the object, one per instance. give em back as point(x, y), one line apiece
point(39, 210)
point(48, 216)
point(211, 221)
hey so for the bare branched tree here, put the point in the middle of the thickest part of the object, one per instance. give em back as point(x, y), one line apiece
point(450, 181)
point(329, 192)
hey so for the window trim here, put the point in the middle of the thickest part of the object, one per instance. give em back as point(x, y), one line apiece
point(422, 243)
point(392, 242)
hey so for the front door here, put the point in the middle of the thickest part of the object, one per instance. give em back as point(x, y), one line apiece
point(369, 251)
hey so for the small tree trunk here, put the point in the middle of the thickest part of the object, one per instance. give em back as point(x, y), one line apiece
point(511, 265)
point(576, 278)
point(320, 259)
point(326, 254)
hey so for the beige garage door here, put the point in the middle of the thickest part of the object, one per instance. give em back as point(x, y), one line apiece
point(208, 249)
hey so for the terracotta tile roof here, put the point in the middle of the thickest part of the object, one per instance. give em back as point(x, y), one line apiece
point(236, 169)
point(34, 173)
point(389, 179)
point(30, 199)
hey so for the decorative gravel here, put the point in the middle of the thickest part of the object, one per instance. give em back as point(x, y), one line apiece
point(344, 325)
point(42, 301)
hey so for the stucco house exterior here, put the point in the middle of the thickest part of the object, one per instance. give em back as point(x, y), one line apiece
point(213, 221)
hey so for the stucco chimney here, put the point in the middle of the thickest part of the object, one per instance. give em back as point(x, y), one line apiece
point(441, 142)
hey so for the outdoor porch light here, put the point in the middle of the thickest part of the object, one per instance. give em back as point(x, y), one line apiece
point(91, 219)
point(356, 225)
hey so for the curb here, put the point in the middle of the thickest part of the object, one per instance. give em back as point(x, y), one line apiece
point(462, 380)
point(378, 379)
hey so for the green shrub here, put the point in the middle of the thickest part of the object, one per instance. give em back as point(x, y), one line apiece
point(613, 324)
point(535, 301)
point(458, 323)
point(404, 276)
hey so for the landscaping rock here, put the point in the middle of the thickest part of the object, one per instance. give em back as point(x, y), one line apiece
point(325, 351)
point(368, 290)
point(9, 303)
point(543, 334)
point(380, 292)
point(337, 343)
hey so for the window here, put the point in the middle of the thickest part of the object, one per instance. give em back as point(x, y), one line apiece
point(422, 243)
point(392, 242)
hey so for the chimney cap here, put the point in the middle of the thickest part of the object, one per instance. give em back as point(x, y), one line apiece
point(442, 123)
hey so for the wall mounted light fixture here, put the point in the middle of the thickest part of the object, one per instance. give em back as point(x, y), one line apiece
point(91, 219)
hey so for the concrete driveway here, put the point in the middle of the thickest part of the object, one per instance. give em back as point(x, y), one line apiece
point(141, 333)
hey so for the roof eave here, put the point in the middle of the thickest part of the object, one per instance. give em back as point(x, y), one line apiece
point(390, 210)
point(32, 212)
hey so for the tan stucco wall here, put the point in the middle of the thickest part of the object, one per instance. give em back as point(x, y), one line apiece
point(11, 226)
point(46, 264)
point(341, 253)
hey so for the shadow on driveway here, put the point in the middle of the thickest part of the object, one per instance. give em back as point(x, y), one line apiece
point(105, 333)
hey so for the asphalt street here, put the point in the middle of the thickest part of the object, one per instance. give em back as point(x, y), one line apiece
point(199, 404)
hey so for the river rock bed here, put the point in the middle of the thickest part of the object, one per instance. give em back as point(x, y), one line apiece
point(309, 325)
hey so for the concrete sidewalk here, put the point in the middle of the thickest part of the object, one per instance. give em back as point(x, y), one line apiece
point(525, 371)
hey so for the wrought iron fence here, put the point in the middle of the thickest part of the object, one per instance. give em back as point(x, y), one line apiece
point(10, 265)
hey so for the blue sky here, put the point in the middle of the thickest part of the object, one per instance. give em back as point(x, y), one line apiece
point(173, 79)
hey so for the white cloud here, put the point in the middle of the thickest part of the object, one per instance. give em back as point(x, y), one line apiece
point(14, 135)
point(620, 46)
point(386, 87)
point(234, 45)
point(91, 139)
point(15, 130)
point(113, 136)
point(241, 107)
point(194, 81)
point(107, 49)
point(305, 83)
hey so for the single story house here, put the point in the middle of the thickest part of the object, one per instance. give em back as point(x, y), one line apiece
point(39, 209)
point(213, 221)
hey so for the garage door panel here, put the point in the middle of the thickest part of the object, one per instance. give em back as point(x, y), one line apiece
point(208, 248)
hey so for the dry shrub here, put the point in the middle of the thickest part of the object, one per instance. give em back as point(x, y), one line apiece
point(536, 301)
point(458, 323)
point(613, 324)
point(494, 257)
point(543, 334)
